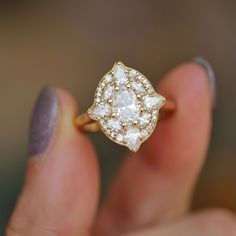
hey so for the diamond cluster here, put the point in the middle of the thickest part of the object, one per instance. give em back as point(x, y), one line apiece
point(126, 106)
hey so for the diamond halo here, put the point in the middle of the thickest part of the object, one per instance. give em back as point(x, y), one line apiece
point(126, 106)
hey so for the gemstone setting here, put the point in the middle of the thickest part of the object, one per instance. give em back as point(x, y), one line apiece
point(126, 106)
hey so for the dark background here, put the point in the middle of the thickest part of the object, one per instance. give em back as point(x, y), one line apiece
point(73, 43)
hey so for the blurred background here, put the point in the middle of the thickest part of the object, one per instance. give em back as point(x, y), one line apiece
point(73, 43)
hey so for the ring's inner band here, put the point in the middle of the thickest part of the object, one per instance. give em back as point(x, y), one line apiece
point(85, 123)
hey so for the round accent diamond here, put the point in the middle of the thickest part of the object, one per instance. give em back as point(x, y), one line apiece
point(120, 138)
point(108, 92)
point(144, 119)
point(114, 124)
point(132, 73)
point(144, 134)
point(108, 78)
point(138, 87)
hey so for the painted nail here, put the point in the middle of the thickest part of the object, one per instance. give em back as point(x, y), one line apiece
point(211, 76)
point(43, 121)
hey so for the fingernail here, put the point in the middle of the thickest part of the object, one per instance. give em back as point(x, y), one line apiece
point(43, 121)
point(211, 76)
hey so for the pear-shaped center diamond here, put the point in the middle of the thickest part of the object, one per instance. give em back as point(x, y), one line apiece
point(125, 104)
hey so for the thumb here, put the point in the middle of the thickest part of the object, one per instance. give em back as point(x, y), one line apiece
point(61, 188)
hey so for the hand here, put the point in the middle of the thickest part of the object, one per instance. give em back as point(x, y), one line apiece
point(151, 194)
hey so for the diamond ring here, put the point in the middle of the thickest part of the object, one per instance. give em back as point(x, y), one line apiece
point(126, 107)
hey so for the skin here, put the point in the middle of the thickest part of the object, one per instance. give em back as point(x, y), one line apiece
point(153, 189)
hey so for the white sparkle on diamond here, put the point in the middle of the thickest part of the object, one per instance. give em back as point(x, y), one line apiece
point(138, 87)
point(132, 138)
point(132, 73)
point(119, 138)
point(126, 105)
point(144, 119)
point(153, 101)
point(115, 124)
point(108, 92)
point(119, 73)
point(144, 134)
point(99, 111)
point(108, 78)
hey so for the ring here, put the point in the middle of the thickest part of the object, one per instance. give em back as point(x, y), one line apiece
point(126, 107)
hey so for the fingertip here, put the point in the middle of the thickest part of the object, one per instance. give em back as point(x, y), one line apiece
point(62, 173)
point(188, 128)
point(186, 83)
point(67, 101)
point(70, 110)
point(74, 163)
point(156, 183)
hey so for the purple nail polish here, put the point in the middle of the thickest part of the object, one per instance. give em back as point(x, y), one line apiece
point(211, 76)
point(43, 121)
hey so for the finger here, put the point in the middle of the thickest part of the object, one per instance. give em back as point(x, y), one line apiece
point(156, 183)
point(61, 189)
point(207, 223)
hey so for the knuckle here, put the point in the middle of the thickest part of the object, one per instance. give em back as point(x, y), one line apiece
point(221, 221)
point(45, 231)
point(222, 215)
